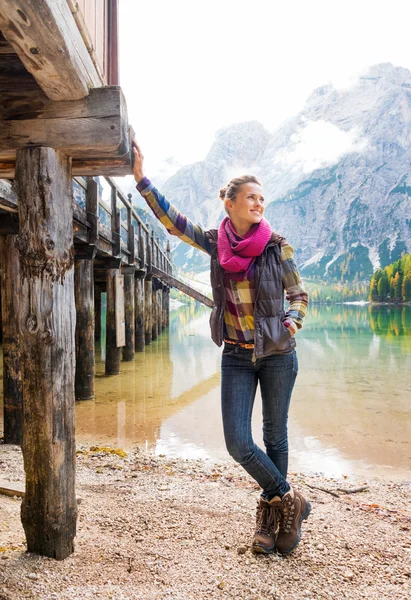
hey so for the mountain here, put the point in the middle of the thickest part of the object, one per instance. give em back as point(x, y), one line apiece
point(336, 177)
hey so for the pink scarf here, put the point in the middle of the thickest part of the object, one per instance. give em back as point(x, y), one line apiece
point(237, 254)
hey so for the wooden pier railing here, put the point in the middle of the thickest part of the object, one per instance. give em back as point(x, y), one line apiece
point(115, 253)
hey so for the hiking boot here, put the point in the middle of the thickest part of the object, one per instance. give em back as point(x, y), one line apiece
point(294, 509)
point(267, 525)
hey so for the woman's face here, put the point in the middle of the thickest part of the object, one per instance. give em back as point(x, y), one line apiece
point(248, 206)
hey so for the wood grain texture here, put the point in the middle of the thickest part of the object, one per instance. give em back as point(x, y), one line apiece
point(154, 312)
point(97, 123)
point(112, 350)
point(84, 297)
point(129, 347)
point(148, 313)
point(139, 313)
point(47, 328)
point(12, 380)
point(47, 40)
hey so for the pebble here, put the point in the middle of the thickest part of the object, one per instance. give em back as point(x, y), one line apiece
point(320, 547)
point(348, 575)
point(33, 576)
point(241, 550)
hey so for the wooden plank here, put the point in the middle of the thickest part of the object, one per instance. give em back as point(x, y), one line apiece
point(49, 43)
point(179, 285)
point(47, 319)
point(88, 167)
point(120, 316)
point(94, 126)
point(12, 488)
point(101, 102)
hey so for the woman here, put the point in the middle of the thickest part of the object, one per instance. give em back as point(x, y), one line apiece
point(251, 266)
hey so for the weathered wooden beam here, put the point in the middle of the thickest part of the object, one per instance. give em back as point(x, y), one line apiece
point(129, 348)
point(179, 285)
point(47, 318)
point(139, 312)
point(12, 381)
point(49, 43)
point(87, 167)
point(84, 297)
point(93, 126)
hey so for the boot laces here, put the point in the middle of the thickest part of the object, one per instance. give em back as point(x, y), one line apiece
point(287, 515)
point(266, 519)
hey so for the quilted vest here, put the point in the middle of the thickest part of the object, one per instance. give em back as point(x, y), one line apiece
point(270, 335)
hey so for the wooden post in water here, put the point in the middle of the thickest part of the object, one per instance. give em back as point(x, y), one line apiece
point(129, 348)
point(164, 293)
point(154, 321)
point(97, 312)
point(112, 350)
point(84, 296)
point(160, 308)
point(12, 382)
point(148, 305)
point(139, 312)
point(46, 319)
point(168, 269)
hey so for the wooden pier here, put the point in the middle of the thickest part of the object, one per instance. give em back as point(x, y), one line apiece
point(64, 133)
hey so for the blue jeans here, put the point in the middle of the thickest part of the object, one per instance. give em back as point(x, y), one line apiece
point(240, 376)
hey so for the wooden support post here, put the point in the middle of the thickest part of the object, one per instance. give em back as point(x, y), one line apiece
point(12, 382)
point(139, 313)
point(97, 313)
point(129, 348)
point(154, 320)
point(148, 309)
point(84, 296)
point(92, 209)
point(112, 350)
point(160, 308)
point(165, 301)
point(46, 319)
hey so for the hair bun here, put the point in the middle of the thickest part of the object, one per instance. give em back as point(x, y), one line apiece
point(223, 191)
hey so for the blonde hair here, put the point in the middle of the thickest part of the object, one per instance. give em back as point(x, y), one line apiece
point(230, 191)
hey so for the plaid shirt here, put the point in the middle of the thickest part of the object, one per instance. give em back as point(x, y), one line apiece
point(240, 295)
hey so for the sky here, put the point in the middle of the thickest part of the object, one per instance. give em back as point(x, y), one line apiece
point(190, 67)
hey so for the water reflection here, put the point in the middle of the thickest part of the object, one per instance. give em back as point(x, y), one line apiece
point(350, 412)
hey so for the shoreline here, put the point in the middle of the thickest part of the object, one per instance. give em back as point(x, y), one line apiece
point(152, 527)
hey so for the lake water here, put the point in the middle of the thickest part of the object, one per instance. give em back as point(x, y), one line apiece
point(350, 411)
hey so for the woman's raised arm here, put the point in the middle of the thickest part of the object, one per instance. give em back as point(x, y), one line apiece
point(175, 223)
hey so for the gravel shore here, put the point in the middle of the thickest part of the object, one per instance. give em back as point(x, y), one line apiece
point(160, 528)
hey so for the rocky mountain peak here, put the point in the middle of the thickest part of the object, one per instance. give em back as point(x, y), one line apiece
point(336, 176)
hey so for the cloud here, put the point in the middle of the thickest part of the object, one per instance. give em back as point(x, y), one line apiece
point(321, 144)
